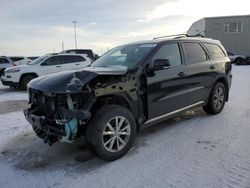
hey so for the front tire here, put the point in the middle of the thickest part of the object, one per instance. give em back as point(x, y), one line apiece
point(111, 133)
point(25, 80)
point(216, 100)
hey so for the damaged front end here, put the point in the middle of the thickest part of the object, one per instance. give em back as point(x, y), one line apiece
point(61, 104)
point(55, 117)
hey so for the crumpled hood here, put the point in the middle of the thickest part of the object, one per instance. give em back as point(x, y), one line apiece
point(72, 81)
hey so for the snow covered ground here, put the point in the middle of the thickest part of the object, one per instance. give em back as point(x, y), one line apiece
point(194, 150)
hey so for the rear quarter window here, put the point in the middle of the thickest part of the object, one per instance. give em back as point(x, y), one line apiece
point(215, 50)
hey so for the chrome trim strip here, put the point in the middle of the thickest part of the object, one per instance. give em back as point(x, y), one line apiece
point(174, 112)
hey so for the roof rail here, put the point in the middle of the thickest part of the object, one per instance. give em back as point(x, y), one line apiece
point(177, 35)
point(197, 35)
point(180, 36)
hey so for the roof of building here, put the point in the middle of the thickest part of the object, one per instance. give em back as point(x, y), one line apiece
point(231, 16)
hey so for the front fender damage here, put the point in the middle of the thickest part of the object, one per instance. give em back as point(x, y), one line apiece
point(69, 112)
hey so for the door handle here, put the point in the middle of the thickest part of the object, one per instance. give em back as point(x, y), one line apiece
point(58, 66)
point(181, 74)
point(77, 64)
point(212, 67)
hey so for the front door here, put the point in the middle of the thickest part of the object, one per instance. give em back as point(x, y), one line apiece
point(168, 88)
point(51, 65)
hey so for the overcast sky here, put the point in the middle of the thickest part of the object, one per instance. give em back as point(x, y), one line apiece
point(36, 27)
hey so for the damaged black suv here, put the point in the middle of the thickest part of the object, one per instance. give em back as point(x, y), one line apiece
point(130, 87)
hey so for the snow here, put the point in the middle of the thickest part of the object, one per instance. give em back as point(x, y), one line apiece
point(193, 150)
point(7, 93)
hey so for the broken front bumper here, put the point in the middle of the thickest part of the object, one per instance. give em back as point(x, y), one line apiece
point(49, 128)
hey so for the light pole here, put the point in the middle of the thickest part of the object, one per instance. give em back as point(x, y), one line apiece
point(74, 22)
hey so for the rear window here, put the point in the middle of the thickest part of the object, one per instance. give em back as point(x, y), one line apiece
point(194, 53)
point(215, 50)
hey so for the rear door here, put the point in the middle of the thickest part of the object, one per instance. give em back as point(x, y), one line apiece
point(202, 71)
point(168, 88)
point(72, 62)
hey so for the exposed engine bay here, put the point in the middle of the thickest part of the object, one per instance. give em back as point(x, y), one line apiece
point(60, 109)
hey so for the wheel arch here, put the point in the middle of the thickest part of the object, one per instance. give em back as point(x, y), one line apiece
point(120, 100)
point(224, 81)
point(27, 74)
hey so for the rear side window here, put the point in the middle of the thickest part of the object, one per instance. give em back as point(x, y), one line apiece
point(194, 53)
point(215, 50)
point(72, 59)
point(170, 52)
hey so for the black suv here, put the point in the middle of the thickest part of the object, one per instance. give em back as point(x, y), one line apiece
point(128, 88)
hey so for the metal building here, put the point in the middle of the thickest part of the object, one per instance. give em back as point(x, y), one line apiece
point(232, 31)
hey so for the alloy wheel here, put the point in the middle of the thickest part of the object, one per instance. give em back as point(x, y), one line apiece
point(218, 98)
point(116, 134)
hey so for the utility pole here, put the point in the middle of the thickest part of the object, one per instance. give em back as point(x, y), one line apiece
point(74, 22)
point(62, 45)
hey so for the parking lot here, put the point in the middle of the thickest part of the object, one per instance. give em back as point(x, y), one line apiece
point(193, 150)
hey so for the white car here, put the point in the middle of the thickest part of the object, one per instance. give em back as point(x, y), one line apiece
point(20, 60)
point(20, 76)
point(5, 62)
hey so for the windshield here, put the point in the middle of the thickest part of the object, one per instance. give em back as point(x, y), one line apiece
point(38, 60)
point(128, 56)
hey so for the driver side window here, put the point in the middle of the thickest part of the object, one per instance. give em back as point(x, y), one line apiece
point(170, 52)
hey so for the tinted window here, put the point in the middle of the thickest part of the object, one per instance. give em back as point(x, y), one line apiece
point(56, 60)
point(170, 52)
point(80, 58)
point(4, 61)
point(72, 59)
point(194, 52)
point(16, 58)
point(215, 50)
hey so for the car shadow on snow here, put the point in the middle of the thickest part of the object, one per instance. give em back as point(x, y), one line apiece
point(6, 89)
point(27, 152)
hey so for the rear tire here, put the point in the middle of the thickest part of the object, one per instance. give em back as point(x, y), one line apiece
point(111, 133)
point(216, 100)
point(25, 80)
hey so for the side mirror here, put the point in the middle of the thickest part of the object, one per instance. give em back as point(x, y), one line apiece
point(160, 64)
